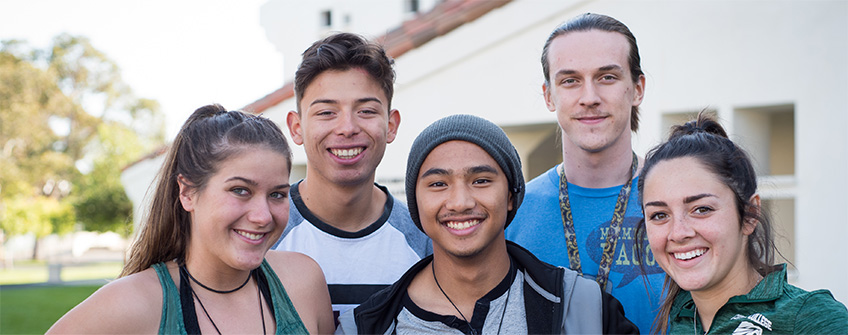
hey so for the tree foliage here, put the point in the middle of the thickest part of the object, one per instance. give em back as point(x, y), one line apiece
point(68, 124)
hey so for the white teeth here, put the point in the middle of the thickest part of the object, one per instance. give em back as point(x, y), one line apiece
point(346, 153)
point(690, 254)
point(249, 235)
point(462, 225)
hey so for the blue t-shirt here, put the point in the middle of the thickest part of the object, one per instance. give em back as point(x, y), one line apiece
point(538, 227)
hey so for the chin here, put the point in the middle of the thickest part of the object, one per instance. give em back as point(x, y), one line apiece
point(690, 284)
point(249, 262)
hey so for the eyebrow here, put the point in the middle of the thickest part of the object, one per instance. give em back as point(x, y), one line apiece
point(656, 204)
point(686, 200)
point(245, 180)
point(469, 171)
point(254, 183)
point(611, 67)
point(331, 101)
point(482, 169)
point(694, 198)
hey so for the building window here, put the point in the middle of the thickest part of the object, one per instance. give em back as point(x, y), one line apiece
point(767, 133)
point(327, 18)
point(412, 6)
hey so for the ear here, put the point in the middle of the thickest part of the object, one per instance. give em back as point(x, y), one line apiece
point(295, 128)
point(749, 225)
point(639, 91)
point(394, 123)
point(509, 205)
point(187, 193)
point(546, 92)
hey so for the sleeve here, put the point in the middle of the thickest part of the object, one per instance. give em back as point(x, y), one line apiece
point(821, 314)
point(347, 323)
point(614, 320)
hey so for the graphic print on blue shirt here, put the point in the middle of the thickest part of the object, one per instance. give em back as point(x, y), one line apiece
point(625, 259)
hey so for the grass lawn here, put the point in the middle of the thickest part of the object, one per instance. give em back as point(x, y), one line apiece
point(27, 273)
point(33, 310)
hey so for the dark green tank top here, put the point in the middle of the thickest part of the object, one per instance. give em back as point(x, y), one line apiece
point(288, 322)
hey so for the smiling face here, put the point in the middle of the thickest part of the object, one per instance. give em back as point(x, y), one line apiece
point(693, 227)
point(591, 89)
point(462, 203)
point(344, 125)
point(242, 210)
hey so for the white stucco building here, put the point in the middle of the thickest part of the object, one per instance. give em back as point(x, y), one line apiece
point(776, 72)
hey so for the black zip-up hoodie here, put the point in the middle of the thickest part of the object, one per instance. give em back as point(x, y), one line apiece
point(556, 300)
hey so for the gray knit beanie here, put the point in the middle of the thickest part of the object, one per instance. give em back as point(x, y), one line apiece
point(472, 129)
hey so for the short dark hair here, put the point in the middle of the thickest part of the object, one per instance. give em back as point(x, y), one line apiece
point(590, 21)
point(344, 51)
point(705, 140)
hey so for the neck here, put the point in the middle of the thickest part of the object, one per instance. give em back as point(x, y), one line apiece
point(606, 168)
point(466, 280)
point(222, 278)
point(349, 208)
point(708, 302)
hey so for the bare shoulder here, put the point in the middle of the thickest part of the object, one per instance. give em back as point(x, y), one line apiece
point(131, 304)
point(292, 264)
point(304, 283)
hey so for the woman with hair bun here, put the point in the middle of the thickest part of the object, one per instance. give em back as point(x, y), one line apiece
point(708, 231)
point(201, 263)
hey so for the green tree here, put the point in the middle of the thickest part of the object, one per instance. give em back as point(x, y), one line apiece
point(68, 124)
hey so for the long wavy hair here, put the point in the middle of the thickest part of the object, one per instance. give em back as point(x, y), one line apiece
point(705, 140)
point(210, 136)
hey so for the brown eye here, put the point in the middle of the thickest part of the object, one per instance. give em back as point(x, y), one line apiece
point(703, 210)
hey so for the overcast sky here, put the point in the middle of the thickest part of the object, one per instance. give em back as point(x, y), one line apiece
point(182, 53)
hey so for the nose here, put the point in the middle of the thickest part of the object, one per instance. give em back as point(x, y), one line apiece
point(681, 230)
point(589, 95)
point(347, 124)
point(460, 199)
point(259, 212)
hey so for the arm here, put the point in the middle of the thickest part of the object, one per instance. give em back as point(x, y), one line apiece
point(131, 304)
point(304, 283)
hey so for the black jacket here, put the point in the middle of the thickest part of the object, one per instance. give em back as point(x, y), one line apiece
point(556, 300)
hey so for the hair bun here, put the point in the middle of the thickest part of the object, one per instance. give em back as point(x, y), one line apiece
point(705, 123)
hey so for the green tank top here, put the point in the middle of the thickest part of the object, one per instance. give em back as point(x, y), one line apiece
point(288, 322)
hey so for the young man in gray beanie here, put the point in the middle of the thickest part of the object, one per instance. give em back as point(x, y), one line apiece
point(463, 187)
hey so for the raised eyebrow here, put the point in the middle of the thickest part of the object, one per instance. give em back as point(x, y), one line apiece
point(434, 171)
point(694, 198)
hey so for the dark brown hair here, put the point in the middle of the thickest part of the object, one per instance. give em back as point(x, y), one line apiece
point(210, 136)
point(341, 52)
point(590, 21)
point(705, 140)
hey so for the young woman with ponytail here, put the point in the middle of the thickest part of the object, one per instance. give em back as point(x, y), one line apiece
point(200, 262)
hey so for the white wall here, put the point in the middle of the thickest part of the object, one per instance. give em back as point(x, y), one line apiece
point(696, 54)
